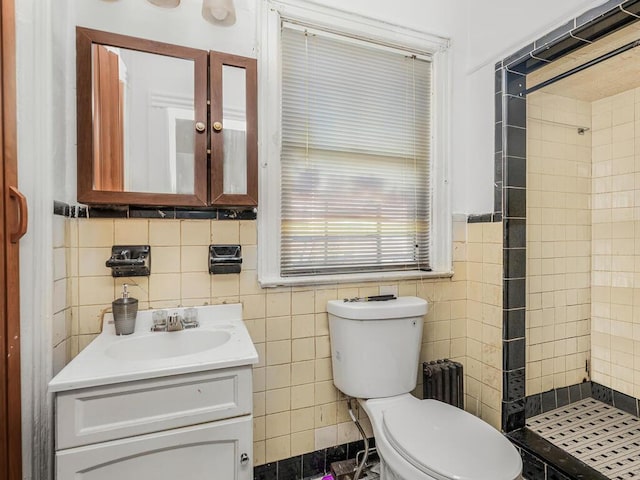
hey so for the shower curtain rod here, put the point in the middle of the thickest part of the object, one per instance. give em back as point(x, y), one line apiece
point(584, 66)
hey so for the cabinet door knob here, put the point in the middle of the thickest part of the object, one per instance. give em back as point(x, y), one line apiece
point(200, 127)
point(217, 126)
point(244, 459)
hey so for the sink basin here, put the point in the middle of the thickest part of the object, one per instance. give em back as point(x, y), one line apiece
point(162, 345)
point(221, 341)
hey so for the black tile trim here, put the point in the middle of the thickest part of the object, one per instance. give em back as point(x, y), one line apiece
point(518, 56)
point(533, 405)
point(70, 211)
point(170, 213)
point(513, 415)
point(268, 471)
point(576, 33)
point(543, 460)
point(560, 397)
point(514, 262)
point(554, 35)
point(484, 218)
point(61, 208)
point(602, 393)
point(556, 398)
point(81, 212)
point(617, 399)
point(108, 212)
point(309, 464)
point(513, 324)
point(514, 295)
point(513, 380)
point(513, 355)
point(625, 402)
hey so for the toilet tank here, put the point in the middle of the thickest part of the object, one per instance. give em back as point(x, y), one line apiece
point(375, 346)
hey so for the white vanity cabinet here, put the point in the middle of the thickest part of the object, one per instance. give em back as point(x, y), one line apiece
point(209, 451)
point(159, 405)
point(196, 426)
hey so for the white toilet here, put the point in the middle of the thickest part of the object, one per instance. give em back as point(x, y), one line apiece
point(375, 348)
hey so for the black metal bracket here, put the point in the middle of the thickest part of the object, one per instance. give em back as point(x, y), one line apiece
point(130, 261)
point(225, 259)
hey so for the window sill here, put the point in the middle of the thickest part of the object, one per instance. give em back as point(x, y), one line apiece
point(378, 277)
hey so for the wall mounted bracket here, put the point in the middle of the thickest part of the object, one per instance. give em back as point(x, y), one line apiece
point(130, 261)
point(225, 259)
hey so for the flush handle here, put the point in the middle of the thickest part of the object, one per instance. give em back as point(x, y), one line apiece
point(244, 459)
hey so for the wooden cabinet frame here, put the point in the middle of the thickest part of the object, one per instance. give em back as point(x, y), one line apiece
point(218, 197)
point(85, 40)
point(209, 161)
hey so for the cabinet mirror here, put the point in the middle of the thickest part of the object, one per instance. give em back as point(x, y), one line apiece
point(142, 114)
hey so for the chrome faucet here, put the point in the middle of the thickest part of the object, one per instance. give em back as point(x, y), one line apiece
point(174, 323)
point(163, 322)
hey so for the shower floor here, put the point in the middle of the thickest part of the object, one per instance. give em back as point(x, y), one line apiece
point(603, 437)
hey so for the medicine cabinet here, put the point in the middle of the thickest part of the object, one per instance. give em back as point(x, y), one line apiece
point(162, 124)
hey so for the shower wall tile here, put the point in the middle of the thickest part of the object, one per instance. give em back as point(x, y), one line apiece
point(615, 280)
point(558, 241)
point(484, 323)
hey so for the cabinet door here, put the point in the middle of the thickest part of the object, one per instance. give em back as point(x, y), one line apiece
point(204, 452)
point(142, 116)
point(234, 130)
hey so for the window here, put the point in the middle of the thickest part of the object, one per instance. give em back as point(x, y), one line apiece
point(355, 187)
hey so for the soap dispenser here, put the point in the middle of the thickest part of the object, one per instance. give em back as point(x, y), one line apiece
point(125, 310)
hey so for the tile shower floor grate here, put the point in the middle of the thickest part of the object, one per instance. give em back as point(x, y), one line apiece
point(603, 437)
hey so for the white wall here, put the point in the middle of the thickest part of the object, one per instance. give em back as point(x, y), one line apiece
point(493, 29)
point(481, 33)
point(42, 156)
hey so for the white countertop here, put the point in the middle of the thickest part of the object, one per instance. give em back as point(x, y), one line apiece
point(93, 366)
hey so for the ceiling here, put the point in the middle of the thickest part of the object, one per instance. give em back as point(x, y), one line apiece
point(610, 77)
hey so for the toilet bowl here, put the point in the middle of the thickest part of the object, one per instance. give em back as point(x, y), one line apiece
point(375, 348)
point(430, 440)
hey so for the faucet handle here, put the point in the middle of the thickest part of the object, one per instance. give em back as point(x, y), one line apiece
point(190, 319)
point(159, 321)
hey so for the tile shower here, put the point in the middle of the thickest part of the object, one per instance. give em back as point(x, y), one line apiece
point(581, 246)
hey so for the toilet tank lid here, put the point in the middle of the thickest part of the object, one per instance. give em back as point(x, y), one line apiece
point(401, 307)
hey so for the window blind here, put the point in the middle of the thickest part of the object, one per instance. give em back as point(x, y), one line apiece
point(355, 162)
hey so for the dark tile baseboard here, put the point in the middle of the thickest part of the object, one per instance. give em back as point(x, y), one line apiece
point(616, 399)
point(559, 397)
point(556, 398)
point(309, 464)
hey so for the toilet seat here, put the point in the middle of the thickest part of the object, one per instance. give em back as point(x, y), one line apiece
point(445, 442)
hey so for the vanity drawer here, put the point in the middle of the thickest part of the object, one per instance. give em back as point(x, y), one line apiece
point(116, 411)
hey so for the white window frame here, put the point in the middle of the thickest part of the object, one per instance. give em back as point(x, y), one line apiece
point(310, 14)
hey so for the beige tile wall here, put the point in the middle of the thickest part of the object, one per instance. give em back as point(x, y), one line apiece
point(483, 366)
point(616, 242)
point(296, 407)
point(62, 333)
point(558, 242)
